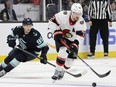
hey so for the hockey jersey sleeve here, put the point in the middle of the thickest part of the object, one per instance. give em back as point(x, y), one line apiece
point(14, 31)
point(81, 29)
point(53, 24)
point(41, 45)
point(18, 30)
point(11, 38)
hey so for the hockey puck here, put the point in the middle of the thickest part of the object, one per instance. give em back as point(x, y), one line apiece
point(94, 84)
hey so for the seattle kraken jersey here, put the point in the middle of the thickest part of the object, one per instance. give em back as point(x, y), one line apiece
point(31, 42)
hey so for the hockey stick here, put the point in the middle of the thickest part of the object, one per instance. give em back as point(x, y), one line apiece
point(74, 75)
point(99, 75)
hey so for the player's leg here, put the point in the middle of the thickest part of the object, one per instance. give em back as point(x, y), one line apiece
point(19, 57)
point(68, 63)
point(59, 71)
point(8, 59)
point(71, 55)
point(63, 65)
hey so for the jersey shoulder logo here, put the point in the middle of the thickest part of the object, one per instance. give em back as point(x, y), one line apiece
point(35, 34)
point(65, 12)
point(66, 33)
point(81, 22)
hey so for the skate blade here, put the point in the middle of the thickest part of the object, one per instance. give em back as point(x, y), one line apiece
point(53, 81)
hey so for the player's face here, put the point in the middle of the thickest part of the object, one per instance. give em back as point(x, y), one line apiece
point(75, 16)
point(27, 28)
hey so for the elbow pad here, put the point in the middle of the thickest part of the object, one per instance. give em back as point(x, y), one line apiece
point(80, 33)
point(58, 35)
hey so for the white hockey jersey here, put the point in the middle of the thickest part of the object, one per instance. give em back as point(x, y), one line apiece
point(62, 21)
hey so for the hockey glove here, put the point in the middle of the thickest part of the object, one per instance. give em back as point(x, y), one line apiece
point(74, 46)
point(11, 41)
point(73, 50)
point(43, 59)
point(72, 55)
point(80, 33)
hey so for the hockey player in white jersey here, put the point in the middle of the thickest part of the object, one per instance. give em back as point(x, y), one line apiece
point(66, 27)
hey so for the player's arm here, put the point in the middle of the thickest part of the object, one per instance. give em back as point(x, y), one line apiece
point(54, 27)
point(53, 24)
point(43, 47)
point(72, 48)
point(81, 29)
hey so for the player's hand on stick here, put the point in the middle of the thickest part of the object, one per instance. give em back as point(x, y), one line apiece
point(43, 59)
point(72, 51)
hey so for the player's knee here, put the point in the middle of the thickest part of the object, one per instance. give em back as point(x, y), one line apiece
point(20, 57)
point(12, 53)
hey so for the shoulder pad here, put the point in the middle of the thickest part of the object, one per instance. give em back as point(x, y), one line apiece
point(65, 12)
point(82, 22)
point(35, 32)
point(17, 27)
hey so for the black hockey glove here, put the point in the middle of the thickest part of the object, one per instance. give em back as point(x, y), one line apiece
point(73, 47)
point(72, 55)
point(43, 59)
point(73, 50)
point(11, 41)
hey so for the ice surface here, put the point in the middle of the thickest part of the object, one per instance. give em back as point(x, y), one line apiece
point(34, 74)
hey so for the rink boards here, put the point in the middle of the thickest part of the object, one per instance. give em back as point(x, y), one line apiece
point(48, 37)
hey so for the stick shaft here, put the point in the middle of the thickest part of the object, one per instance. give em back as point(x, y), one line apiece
point(74, 75)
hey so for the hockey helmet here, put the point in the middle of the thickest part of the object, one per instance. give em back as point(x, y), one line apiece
point(77, 8)
point(27, 21)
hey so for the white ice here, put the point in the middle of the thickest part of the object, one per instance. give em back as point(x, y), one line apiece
point(34, 74)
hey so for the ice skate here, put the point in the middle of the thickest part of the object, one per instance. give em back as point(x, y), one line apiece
point(58, 75)
point(2, 73)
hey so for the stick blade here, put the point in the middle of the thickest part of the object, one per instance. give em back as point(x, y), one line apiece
point(78, 75)
point(104, 75)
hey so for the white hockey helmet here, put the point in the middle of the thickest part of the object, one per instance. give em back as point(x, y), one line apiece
point(77, 8)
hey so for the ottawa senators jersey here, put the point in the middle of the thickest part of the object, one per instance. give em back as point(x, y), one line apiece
point(70, 30)
point(31, 42)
